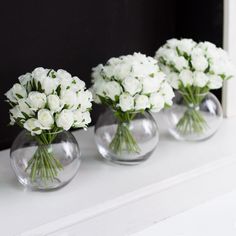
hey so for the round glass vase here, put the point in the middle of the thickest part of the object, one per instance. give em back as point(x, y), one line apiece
point(126, 141)
point(45, 162)
point(194, 121)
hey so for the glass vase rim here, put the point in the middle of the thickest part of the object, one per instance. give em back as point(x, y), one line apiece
point(44, 132)
point(131, 112)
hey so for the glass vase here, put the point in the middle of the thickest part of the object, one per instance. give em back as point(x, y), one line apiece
point(45, 162)
point(129, 140)
point(194, 119)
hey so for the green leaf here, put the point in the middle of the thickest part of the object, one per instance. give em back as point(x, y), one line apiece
point(58, 90)
point(36, 129)
point(19, 96)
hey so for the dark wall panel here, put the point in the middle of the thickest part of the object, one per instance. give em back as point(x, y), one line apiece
point(75, 35)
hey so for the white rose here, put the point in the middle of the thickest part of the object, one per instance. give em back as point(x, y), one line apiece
point(10, 96)
point(186, 76)
point(152, 84)
point(81, 119)
point(167, 92)
point(33, 126)
point(19, 91)
point(49, 85)
point(99, 85)
point(112, 89)
point(173, 79)
point(141, 102)
point(186, 45)
point(45, 118)
point(69, 98)
point(54, 103)
point(78, 119)
point(215, 82)
point(36, 100)
point(132, 85)
point(180, 63)
point(172, 43)
point(156, 101)
point(15, 113)
point(39, 74)
point(77, 84)
point(24, 79)
point(63, 74)
point(24, 107)
point(199, 63)
point(126, 102)
point(85, 100)
point(65, 119)
point(200, 79)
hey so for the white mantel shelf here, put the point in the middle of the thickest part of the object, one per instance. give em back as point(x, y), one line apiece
point(113, 200)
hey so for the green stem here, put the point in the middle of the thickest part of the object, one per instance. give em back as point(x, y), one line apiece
point(124, 140)
point(43, 164)
point(192, 122)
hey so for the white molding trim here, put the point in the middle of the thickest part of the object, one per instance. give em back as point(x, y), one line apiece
point(229, 39)
point(67, 225)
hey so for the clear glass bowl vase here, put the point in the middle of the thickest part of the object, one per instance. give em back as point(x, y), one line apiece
point(47, 162)
point(127, 142)
point(194, 121)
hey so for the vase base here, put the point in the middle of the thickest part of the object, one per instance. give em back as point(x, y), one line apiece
point(128, 160)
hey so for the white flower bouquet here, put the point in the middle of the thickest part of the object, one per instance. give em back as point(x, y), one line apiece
point(130, 85)
point(46, 102)
point(193, 69)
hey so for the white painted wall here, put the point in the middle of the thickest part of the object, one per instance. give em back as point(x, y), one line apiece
point(229, 89)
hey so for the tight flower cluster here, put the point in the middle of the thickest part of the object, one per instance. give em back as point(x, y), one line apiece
point(131, 83)
point(49, 100)
point(188, 63)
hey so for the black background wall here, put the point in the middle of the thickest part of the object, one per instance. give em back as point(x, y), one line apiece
point(76, 35)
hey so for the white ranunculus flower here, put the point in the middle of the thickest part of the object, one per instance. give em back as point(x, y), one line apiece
point(54, 103)
point(112, 89)
point(173, 79)
point(85, 100)
point(215, 82)
point(19, 91)
point(199, 63)
point(63, 74)
point(49, 85)
point(45, 118)
point(132, 85)
point(186, 77)
point(25, 108)
point(141, 102)
point(15, 113)
point(200, 79)
point(126, 102)
point(69, 98)
point(36, 100)
point(156, 101)
point(65, 119)
point(33, 126)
